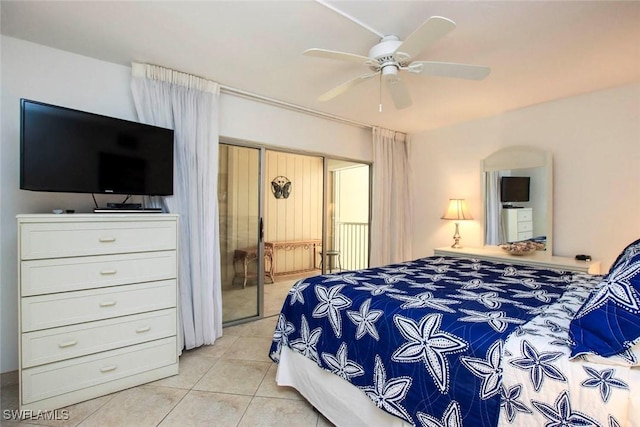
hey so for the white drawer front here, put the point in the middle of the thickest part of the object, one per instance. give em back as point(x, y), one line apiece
point(57, 240)
point(62, 377)
point(70, 274)
point(68, 308)
point(56, 344)
point(525, 226)
point(524, 214)
point(525, 235)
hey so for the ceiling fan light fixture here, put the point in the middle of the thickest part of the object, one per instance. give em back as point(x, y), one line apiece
point(390, 73)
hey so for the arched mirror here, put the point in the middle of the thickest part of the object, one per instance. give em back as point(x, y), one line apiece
point(518, 196)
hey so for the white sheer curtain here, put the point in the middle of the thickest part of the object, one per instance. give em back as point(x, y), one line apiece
point(391, 201)
point(493, 210)
point(189, 105)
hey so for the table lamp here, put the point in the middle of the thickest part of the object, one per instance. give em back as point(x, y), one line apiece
point(457, 211)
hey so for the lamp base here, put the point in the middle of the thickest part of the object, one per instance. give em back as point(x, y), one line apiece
point(456, 238)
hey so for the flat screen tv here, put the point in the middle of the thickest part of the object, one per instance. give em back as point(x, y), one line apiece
point(71, 151)
point(514, 189)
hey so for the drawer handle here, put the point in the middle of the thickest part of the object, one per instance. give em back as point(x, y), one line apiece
point(107, 304)
point(109, 368)
point(108, 272)
point(106, 239)
point(68, 344)
point(143, 329)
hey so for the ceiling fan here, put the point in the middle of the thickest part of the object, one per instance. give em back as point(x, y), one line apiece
point(392, 56)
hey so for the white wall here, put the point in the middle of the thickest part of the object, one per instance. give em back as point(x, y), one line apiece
point(255, 121)
point(595, 142)
point(36, 72)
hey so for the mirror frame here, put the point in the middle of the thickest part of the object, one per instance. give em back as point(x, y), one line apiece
point(520, 157)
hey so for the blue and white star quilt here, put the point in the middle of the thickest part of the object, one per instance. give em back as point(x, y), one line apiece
point(424, 340)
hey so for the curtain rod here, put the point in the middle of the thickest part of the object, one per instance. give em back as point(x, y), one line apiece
point(253, 96)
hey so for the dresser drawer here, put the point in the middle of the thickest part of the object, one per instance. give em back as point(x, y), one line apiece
point(525, 235)
point(71, 274)
point(58, 378)
point(68, 308)
point(525, 226)
point(524, 215)
point(58, 240)
point(66, 342)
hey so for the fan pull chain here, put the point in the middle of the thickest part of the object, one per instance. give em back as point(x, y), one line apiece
point(380, 94)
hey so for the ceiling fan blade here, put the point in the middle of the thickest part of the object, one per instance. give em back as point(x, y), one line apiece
point(333, 54)
point(433, 29)
point(339, 90)
point(399, 93)
point(449, 69)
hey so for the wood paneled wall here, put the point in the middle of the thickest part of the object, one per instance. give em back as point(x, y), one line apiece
point(298, 217)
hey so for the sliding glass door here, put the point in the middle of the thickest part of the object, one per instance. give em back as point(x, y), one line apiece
point(241, 251)
point(346, 216)
point(285, 216)
point(293, 195)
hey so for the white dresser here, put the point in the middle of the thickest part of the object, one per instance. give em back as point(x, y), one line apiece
point(541, 259)
point(518, 224)
point(97, 305)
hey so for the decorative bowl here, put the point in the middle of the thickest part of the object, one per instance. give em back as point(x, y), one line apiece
point(520, 248)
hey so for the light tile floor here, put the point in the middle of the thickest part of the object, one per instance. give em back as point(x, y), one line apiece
point(230, 383)
point(239, 302)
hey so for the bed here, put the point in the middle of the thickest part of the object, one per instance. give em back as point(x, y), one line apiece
point(442, 341)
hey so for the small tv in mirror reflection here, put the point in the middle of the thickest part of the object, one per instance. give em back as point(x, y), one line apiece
point(514, 189)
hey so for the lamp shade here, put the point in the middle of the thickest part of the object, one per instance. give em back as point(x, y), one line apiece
point(457, 210)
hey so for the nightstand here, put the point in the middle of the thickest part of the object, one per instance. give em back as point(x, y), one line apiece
point(540, 259)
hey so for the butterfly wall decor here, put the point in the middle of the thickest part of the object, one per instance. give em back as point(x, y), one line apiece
point(281, 187)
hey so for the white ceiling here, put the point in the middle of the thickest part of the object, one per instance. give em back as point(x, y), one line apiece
point(537, 50)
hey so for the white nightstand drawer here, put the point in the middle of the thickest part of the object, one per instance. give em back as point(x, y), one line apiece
point(57, 344)
point(68, 308)
point(58, 378)
point(71, 274)
point(525, 226)
point(525, 214)
point(57, 240)
point(525, 235)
